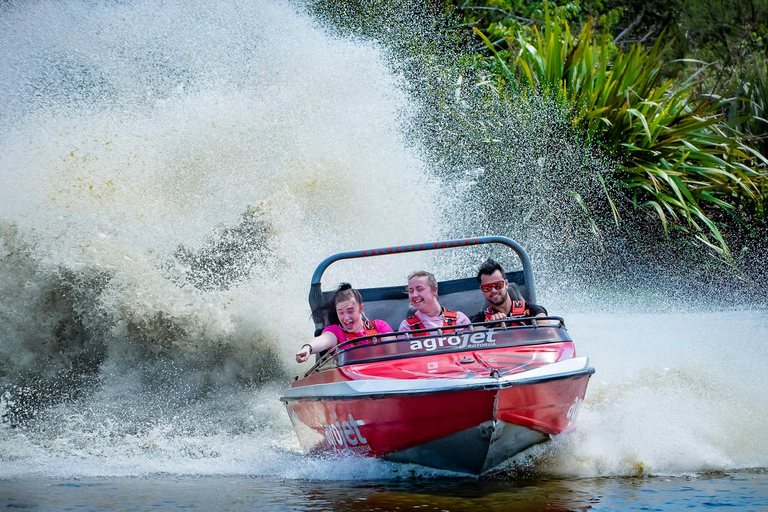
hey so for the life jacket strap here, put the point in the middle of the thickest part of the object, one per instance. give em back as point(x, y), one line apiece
point(449, 319)
point(518, 309)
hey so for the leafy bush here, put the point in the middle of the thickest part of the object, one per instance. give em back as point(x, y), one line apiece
point(678, 159)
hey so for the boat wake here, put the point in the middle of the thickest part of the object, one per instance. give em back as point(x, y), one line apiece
point(657, 406)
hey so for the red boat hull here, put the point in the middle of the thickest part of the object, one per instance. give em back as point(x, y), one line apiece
point(471, 426)
point(458, 397)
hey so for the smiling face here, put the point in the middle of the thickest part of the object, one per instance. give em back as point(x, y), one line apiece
point(494, 287)
point(423, 296)
point(350, 315)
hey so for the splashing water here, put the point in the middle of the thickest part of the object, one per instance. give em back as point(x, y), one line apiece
point(164, 181)
point(170, 179)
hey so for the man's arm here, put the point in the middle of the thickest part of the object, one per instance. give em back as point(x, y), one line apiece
point(536, 310)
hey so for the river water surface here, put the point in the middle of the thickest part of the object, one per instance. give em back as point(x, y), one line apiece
point(737, 491)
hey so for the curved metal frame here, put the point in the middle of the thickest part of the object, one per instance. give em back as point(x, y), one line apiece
point(316, 294)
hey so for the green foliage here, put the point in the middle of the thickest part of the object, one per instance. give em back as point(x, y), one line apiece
point(502, 19)
point(748, 113)
point(676, 155)
point(748, 116)
point(722, 41)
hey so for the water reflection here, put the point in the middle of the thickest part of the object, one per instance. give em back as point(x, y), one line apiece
point(746, 490)
point(451, 495)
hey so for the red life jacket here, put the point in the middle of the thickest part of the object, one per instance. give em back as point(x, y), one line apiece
point(518, 309)
point(449, 319)
point(369, 328)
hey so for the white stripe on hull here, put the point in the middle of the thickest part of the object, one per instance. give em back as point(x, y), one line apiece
point(364, 387)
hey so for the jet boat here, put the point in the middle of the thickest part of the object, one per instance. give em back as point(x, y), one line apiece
point(465, 401)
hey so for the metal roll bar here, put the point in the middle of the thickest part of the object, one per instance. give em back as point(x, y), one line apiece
point(316, 294)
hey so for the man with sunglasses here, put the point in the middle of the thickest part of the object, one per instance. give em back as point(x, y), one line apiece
point(503, 302)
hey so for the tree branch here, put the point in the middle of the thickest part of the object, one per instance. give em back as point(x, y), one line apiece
point(630, 27)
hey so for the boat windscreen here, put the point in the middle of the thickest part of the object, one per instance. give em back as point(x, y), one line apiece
point(397, 346)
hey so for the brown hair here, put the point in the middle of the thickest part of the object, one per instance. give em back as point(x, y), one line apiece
point(346, 292)
point(343, 292)
point(488, 267)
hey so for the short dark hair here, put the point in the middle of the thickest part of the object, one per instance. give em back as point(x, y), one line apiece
point(488, 267)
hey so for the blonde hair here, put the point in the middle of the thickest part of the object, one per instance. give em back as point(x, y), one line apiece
point(423, 273)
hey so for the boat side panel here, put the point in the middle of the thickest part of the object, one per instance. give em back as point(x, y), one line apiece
point(322, 377)
point(549, 407)
point(478, 363)
point(377, 427)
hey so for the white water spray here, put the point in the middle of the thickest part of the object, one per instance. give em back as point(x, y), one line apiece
point(135, 141)
point(170, 179)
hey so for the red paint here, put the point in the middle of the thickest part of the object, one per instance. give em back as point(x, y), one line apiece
point(390, 424)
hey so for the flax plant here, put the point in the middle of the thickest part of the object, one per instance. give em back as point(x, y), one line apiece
point(676, 156)
point(748, 111)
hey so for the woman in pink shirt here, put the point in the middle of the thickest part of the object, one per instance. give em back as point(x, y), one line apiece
point(348, 304)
